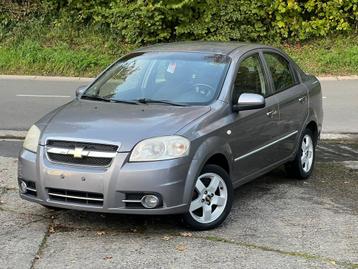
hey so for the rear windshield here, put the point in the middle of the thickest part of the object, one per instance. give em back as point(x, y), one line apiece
point(178, 77)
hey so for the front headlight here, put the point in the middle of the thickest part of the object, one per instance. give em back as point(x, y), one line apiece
point(32, 139)
point(160, 148)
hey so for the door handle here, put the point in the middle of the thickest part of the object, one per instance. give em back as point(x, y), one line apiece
point(271, 113)
point(302, 99)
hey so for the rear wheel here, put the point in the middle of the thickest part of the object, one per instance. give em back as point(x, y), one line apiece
point(303, 164)
point(212, 199)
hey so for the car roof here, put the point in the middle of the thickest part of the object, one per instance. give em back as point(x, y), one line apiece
point(225, 48)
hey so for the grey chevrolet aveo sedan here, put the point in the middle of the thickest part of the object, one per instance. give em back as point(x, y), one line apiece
point(173, 129)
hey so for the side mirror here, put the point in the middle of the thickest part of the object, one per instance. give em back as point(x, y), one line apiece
point(248, 101)
point(80, 90)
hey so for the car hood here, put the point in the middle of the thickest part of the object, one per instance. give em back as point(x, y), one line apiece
point(117, 123)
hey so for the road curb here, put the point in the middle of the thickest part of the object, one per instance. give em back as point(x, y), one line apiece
point(45, 78)
point(339, 136)
point(330, 78)
point(87, 79)
point(12, 134)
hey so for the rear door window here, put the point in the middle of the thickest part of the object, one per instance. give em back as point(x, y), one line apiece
point(280, 70)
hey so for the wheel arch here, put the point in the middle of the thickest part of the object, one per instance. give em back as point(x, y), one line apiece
point(219, 159)
point(312, 125)
point(207, 153)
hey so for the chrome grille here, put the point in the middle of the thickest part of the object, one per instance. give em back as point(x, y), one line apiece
point(80, 153)
point(89, 146)
point(84, 161)
point(76, 197)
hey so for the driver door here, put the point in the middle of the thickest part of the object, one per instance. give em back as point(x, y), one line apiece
point(254, 131)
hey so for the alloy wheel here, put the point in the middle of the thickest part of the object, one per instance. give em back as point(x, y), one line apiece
point(209, 198)
point(306, 153)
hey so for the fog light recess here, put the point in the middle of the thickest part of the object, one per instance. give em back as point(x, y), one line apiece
point(23, 187)
point(150, 201)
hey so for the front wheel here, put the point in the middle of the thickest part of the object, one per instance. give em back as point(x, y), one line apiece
point(212, 199)
point(303, 164)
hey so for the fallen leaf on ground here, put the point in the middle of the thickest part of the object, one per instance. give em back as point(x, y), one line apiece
point(51, 229)
point(186, 234)
point(167, 237)
point(180, 247)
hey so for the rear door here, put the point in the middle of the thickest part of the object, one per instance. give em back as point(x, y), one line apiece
point(292, 98)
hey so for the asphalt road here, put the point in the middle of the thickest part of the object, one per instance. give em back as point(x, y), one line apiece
point(24, 101)
point(275, 222)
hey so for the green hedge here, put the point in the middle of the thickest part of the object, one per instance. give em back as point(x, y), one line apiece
point(143, 22)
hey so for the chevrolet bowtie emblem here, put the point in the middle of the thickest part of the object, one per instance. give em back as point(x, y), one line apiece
point(77, 153)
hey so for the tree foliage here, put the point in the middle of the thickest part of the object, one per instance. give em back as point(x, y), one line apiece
point(150, 21)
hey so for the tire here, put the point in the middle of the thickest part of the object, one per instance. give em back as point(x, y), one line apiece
point(212, 199)
point(302, 167)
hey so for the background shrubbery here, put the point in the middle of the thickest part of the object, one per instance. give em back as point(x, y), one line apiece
point(156, 21)
point(77, 37)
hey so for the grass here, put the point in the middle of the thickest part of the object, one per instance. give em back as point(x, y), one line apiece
point(32, 58)
point(337, 55)
point(64, 50)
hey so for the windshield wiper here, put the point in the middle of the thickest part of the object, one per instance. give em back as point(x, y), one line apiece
point(134, 102)
point(95, 98)
point(104, 99)
point(152, 101)
point(123, 101)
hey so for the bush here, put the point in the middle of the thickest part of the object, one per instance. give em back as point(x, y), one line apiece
point(150, 21)
point(255, 20)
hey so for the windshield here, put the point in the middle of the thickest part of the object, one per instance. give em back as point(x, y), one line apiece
point(178, 78)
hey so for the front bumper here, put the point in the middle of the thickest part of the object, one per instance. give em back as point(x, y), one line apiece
point(167, 179)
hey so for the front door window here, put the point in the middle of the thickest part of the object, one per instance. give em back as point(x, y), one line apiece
point(250, 78)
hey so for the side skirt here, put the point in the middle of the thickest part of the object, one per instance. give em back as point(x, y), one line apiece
point(261, 172)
